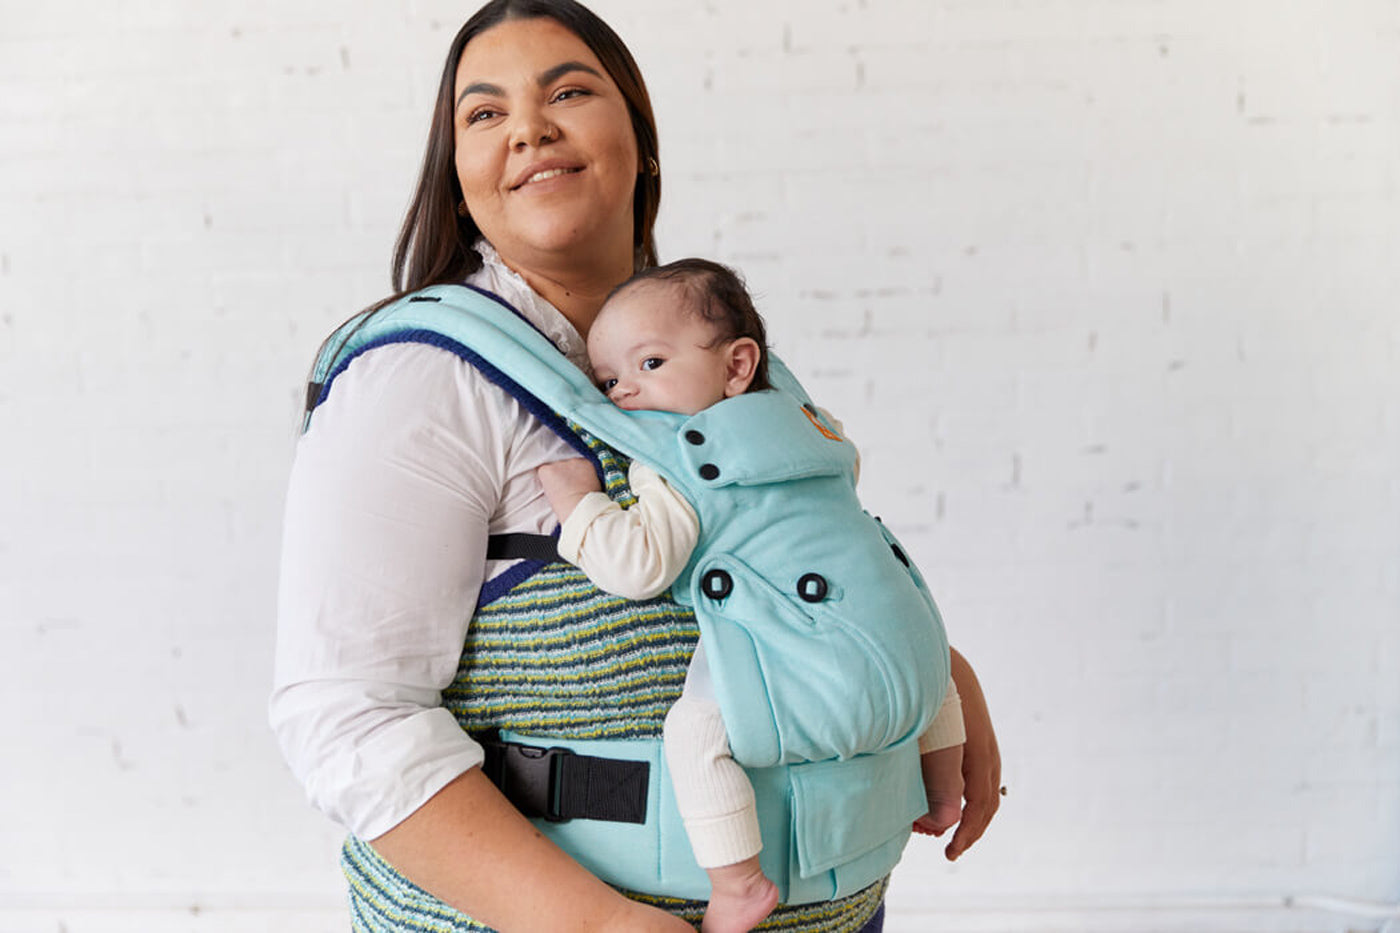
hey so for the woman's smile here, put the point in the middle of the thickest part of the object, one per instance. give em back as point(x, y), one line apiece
point(544, 171)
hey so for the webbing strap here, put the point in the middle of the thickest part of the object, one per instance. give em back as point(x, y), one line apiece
point(603, 789)
point(520, 545)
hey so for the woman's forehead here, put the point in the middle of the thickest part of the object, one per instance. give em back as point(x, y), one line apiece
point(533, 50)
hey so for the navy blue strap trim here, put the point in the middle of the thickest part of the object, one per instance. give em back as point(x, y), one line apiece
point(538, 553)
point(501, 584)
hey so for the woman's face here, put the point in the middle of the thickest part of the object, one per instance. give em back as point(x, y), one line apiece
point(545, 152)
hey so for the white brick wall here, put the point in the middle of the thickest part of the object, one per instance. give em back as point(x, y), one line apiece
point(1104, 290)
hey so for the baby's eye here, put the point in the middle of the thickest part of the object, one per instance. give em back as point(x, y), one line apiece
point(652, 362)
point(607, 385)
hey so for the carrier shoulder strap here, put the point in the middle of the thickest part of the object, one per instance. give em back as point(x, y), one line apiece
point(481, 328)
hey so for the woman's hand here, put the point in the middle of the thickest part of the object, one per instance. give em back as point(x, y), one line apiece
point(981, 763)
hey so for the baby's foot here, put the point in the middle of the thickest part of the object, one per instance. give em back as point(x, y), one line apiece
point(740, 897)
point(941, 815)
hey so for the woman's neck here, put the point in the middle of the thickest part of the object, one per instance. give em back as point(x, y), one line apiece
point(577, 293)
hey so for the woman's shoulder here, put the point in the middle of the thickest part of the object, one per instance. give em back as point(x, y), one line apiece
point(417, 389)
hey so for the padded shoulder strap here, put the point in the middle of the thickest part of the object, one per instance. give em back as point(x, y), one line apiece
point(483, 329)
point(457, 318)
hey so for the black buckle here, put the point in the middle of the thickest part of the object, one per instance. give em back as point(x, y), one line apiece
point(558, 785)
point(529, 777)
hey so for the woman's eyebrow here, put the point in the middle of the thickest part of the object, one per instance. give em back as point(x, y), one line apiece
point(548, 76)
point(480, 87)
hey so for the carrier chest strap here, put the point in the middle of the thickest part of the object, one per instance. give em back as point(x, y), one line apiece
point(523, 546)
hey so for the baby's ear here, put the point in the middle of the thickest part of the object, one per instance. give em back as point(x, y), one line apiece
point(741, 364)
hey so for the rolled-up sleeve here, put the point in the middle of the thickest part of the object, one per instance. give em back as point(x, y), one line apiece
point(391, 497)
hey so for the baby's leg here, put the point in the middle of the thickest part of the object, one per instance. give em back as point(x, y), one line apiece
point(943, 786)
point(716, 803)
point(740, 897)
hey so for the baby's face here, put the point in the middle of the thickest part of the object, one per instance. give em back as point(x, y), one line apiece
point(649, 352)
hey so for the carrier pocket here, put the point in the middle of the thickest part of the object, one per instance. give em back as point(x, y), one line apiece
point(846, 813)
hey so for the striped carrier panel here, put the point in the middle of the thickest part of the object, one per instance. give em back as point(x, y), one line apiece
point(554, 656)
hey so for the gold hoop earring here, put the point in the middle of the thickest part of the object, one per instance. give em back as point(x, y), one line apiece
point(653, 169)
point(462, 210)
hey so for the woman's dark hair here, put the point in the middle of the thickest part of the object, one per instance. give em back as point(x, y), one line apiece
point(717, 294)
point(436, 243)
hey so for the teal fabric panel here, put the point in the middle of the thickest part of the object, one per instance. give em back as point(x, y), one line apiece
point(832, 681)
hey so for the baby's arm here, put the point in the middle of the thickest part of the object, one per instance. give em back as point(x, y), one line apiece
point(636, 552)
point(940, 759)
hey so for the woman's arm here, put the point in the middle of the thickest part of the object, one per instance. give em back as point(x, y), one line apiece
point(388, 512)
point(470, 848)
point(383, 551)
point(981, 762)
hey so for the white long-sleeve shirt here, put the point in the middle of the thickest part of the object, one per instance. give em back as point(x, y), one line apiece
point(411, 462)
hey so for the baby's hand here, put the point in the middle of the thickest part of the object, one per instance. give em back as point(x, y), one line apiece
point(565, 482)
point(943, 783)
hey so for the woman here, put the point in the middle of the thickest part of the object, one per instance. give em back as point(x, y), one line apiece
point(541, 184)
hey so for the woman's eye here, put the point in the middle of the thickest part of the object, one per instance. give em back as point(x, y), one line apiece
point(607, 385)
point(569, 92)
point(652, 362)
point(482, 113)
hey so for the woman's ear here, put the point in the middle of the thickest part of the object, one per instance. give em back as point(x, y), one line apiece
point(740, 365)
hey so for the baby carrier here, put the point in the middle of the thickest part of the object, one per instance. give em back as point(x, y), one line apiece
point(827, 654)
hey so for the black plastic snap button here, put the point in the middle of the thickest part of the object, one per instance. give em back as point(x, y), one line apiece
point(811, 587)
point(900, 554)
point(709, 471)
point(695, 437)
point(716, 584)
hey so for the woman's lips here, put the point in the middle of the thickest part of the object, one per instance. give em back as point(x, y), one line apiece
point(538, 173)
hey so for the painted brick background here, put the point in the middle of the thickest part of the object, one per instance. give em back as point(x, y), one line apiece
point(1105, 290)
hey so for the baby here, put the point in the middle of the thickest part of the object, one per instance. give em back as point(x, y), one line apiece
point(681, 338)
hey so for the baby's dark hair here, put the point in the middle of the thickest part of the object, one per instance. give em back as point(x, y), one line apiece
point(718, 295)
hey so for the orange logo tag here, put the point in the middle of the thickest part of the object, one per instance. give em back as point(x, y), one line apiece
point(826, 432)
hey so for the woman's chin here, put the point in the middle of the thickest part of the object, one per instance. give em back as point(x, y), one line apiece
point(556, 240)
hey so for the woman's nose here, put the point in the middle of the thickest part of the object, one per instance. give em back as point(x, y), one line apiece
point(532, 128)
